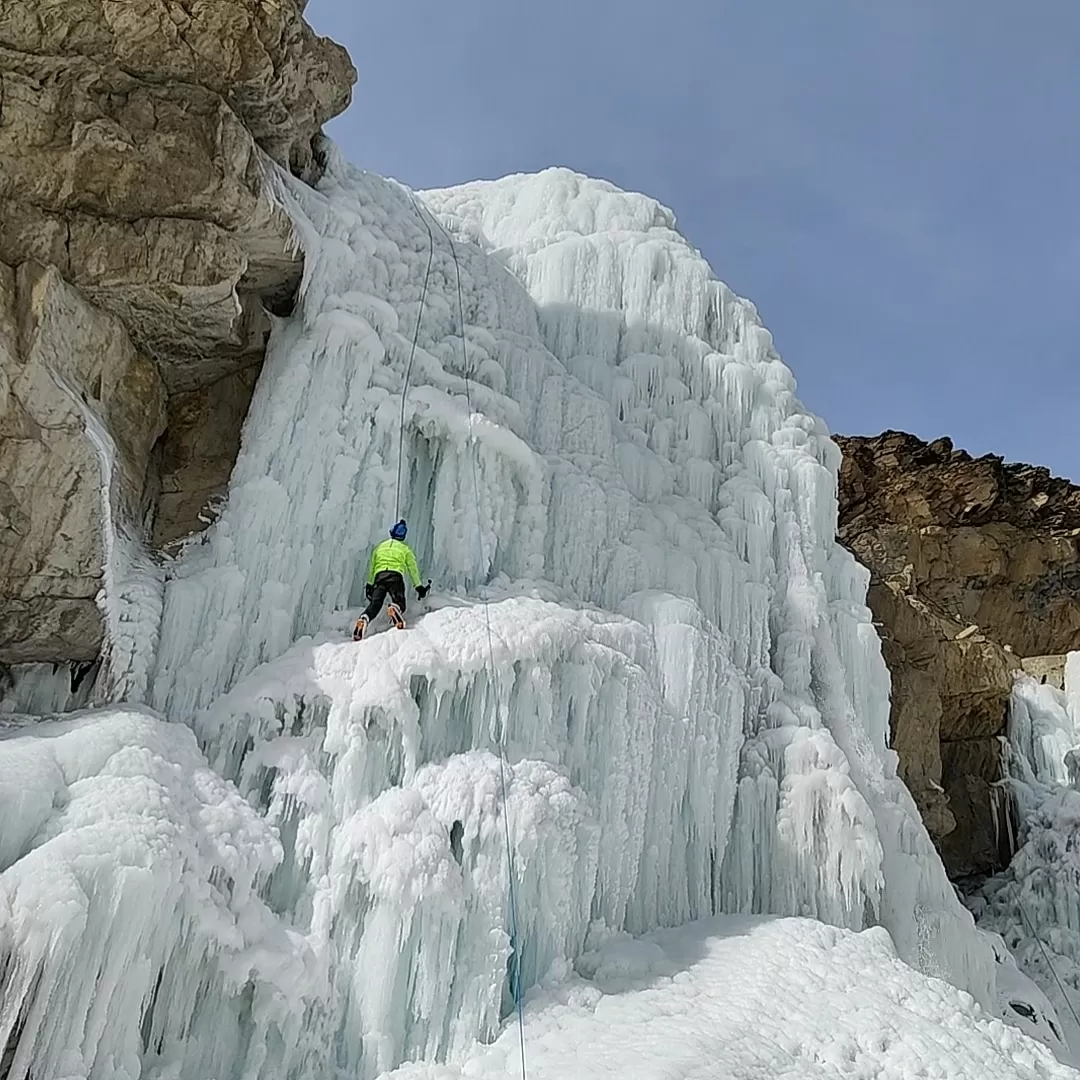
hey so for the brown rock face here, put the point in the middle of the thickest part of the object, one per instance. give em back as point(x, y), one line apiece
point(136, 140)
point(52, 479)
point(131, 143)
point(975, 565)
point(198, 456)
point(259, 57)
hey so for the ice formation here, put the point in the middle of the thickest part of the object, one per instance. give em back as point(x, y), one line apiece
point(130, 598)
point(783, 999)
point(643, 630)
point(1035, 905)
point(42, 689)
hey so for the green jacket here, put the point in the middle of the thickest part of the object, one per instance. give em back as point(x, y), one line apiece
point(394, 555)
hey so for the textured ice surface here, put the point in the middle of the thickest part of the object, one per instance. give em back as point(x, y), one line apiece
point(130, 597)
point(757, 999)
point(42, 689)
point(681, 668)
point(1035, 904)
point(129, 929)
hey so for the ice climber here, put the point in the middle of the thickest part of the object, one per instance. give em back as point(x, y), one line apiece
point(390, 562)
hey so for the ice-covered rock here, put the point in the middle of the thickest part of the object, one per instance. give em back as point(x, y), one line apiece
point(140, 253)
point(646, 689)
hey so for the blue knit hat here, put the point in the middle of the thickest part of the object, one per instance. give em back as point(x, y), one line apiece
point(399, 530)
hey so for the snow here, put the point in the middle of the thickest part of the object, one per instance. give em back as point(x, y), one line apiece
point(757, 999)
point(1035, 904)
point(646, 684)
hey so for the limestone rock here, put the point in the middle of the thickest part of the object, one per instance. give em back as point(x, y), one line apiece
point(259, 56)
point(200, 448)
point(134, 143)
point(68, 372)
point(153, 200)
point(997, 545)
point(1046, 669)
point(138, 139)
point(974, 566)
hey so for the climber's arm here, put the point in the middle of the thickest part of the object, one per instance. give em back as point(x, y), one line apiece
point(414, 570)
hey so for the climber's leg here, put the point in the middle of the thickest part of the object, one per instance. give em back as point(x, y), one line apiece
point(396, 610)
point(379, 589)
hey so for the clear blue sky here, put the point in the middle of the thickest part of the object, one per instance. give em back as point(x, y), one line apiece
point(895, 186)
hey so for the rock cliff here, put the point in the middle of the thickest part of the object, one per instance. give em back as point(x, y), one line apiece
point(975, 570)
point(140, 256)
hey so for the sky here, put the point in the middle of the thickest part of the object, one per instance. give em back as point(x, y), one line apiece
point(895, 186)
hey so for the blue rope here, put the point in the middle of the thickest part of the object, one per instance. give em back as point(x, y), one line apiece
point(516, 952)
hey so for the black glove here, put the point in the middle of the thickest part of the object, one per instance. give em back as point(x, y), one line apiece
point(423, 590)
point(367, 591)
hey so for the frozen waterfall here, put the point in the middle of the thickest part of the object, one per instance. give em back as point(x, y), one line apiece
point(289, 862)
point(1035, 904)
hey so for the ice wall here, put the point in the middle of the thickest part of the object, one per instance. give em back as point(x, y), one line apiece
point(130, 598)
point(639, 601)
point(1035, 905)
point(44, 689)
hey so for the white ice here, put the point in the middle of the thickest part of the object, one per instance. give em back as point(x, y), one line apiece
point(129, 925)
point(43, 689)
point(753, 999)
point(130, 597)
point(639, 601)
point(1035, 905)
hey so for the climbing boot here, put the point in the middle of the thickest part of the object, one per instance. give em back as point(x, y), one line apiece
point(358, 630)
point(395, 616)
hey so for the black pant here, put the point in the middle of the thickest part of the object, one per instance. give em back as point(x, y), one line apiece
point(386, 581)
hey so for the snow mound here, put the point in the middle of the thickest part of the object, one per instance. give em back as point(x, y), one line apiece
point(756, 999)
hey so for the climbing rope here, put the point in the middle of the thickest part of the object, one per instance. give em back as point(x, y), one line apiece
point(515, 980)
point(1045, 953)
point(412, 357)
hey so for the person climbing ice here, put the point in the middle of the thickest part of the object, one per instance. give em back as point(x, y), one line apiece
point(390, 562)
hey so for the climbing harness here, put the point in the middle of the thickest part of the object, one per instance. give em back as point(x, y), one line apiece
point(515, 942)
point(412, 357)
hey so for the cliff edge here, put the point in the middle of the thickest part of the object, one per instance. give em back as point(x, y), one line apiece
point(975, 568)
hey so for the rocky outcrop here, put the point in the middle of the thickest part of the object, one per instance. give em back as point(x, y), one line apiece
point(137, 142)
point(58, 405)
point(131, 157)
point(259, 57)
point(204, 428)
point(975, 566)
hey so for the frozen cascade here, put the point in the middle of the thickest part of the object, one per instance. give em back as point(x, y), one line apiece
point(130, 598)
point(694, 701)
point(44, 689)
point(1035, 904)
